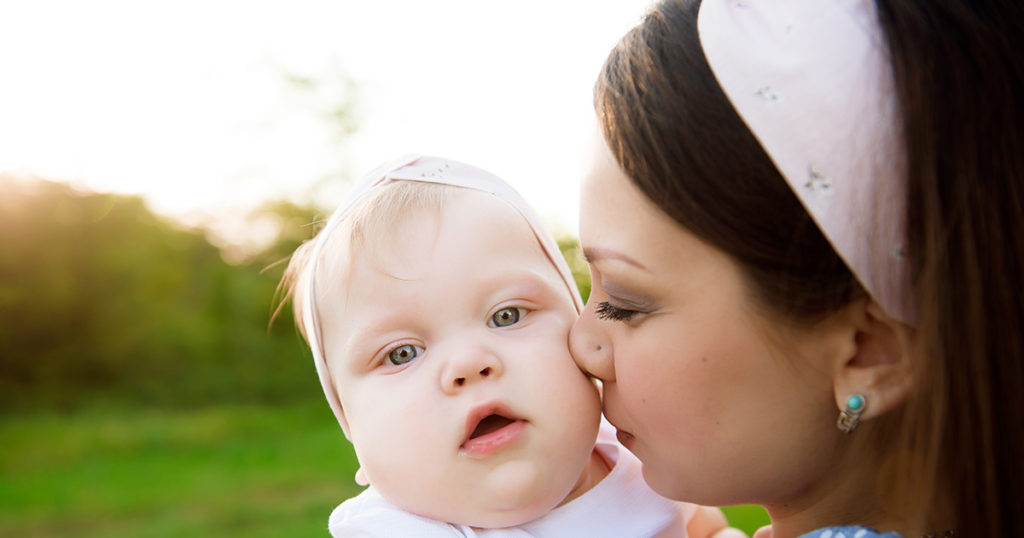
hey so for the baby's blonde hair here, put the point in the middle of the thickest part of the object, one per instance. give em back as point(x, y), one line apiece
point(373, 218)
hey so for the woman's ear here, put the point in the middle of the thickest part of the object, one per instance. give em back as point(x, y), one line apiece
point(877, 365)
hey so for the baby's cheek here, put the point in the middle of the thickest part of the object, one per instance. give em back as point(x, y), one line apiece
point(389, 434)
point(390, 458)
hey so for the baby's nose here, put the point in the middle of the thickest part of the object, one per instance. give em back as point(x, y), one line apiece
point(460, 381)
point(470, 366)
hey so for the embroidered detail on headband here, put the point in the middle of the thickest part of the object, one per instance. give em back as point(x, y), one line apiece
point(816, 181)
point(436, 173)
point(768, 95)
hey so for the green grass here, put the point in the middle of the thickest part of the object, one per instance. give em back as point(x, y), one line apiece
point(226, 471)
point(240, 471)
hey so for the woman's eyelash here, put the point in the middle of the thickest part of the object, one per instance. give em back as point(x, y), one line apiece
point(606, 311)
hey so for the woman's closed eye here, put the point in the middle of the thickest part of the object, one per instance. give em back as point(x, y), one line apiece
point(606, 310)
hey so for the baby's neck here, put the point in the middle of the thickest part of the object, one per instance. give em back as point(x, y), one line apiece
point(596, 469)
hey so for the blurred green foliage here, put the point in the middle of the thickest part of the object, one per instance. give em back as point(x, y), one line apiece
point(100, 299)
point(570, 248)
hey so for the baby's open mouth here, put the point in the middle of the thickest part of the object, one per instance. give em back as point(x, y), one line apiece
point(490, 424)
point(489, 428)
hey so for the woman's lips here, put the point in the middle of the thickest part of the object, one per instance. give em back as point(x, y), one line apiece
point(625, 438)
point(490, 427)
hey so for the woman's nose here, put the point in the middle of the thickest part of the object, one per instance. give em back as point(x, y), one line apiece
point(468, 366)
point(590, 346)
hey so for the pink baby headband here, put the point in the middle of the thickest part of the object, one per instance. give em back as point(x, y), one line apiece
point(429, 170)
point(813, 82)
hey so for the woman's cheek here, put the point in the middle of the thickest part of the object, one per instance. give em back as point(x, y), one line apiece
point(668, 389)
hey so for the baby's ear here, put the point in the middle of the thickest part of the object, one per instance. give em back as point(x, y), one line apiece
point(361, 477)
point(878, 365)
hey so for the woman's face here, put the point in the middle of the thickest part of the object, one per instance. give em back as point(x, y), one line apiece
point(722, 403)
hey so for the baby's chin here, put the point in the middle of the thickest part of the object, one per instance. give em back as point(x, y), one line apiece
point(513, 494)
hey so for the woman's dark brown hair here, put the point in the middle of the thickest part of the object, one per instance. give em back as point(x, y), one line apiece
point(959, 72)
point(958, 69)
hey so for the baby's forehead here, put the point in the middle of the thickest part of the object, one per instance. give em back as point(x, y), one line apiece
point(407, 222)
point(469, 227)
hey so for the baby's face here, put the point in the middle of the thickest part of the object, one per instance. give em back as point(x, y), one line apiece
point(450, 356)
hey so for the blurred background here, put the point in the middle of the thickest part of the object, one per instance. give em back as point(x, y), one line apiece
point(158, 163)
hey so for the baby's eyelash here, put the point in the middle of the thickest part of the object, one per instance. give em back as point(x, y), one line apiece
point(606, 311)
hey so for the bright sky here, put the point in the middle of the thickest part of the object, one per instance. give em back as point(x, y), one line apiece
point(189, 102)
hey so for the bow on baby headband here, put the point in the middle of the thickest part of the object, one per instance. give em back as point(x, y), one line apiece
point(812, 81)
point(429, 170)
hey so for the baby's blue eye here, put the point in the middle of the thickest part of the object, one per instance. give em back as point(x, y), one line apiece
point(505, 317)
point(403, 354)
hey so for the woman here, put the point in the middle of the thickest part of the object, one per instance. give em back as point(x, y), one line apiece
point(803, 256)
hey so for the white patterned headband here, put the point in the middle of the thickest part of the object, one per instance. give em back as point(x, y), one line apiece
point(813, 82)
point(428, 170)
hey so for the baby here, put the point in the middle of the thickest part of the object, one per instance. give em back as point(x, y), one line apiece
point(438, 310)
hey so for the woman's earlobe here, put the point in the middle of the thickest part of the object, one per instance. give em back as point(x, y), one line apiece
point(877, 377)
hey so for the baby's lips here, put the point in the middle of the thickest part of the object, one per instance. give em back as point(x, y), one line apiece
point(480, 421)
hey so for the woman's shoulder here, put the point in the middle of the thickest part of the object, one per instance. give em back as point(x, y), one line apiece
point(849, 532)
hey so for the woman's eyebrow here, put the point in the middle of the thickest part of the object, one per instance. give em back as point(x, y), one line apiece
point(596, 254)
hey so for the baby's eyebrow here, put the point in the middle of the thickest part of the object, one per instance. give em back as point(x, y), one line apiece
point(596, 254)
point(363, 338)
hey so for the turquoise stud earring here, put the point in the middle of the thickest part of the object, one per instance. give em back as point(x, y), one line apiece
point(849, 417)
